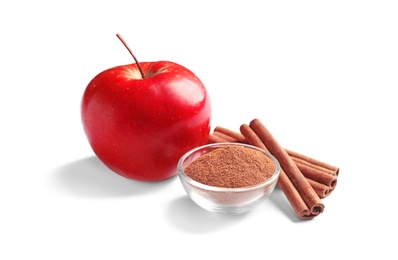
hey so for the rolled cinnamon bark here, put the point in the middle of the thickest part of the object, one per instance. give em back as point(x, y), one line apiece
point(323, 171)
point(214, 138)
point(232, 136)
point(321, 189)
point(314, 166)
point(316, 174)
point(305, 192)
point(237, 137)
point(225, 137)
point(314, 163)
point(291, 193)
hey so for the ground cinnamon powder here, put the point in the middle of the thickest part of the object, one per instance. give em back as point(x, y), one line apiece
point(231, 167)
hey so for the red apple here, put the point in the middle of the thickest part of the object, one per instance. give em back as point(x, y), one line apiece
point(141, 118)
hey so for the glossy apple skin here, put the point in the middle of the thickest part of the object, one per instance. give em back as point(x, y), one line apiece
point(140, 128)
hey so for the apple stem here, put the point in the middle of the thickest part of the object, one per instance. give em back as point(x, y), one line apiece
point(132, 54)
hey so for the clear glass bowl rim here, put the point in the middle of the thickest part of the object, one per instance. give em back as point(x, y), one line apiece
point(269, 181)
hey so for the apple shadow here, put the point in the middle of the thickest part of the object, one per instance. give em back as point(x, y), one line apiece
point(89, 177)
point(189, 217)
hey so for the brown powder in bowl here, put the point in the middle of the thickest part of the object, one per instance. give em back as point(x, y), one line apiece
point(231, 167)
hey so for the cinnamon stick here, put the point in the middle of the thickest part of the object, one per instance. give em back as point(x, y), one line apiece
point(321, 189)
point(214, 138)
point(317, 172)
point(314, 163)
point(235, 136)
point(225, 137)
point(301, 195)
point(291, 193)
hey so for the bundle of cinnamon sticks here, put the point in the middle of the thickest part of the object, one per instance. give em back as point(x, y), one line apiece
point(304, 180)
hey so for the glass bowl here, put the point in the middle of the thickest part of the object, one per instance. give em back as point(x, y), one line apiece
point(225, 200)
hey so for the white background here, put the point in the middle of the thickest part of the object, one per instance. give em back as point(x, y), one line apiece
point(321, 75)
